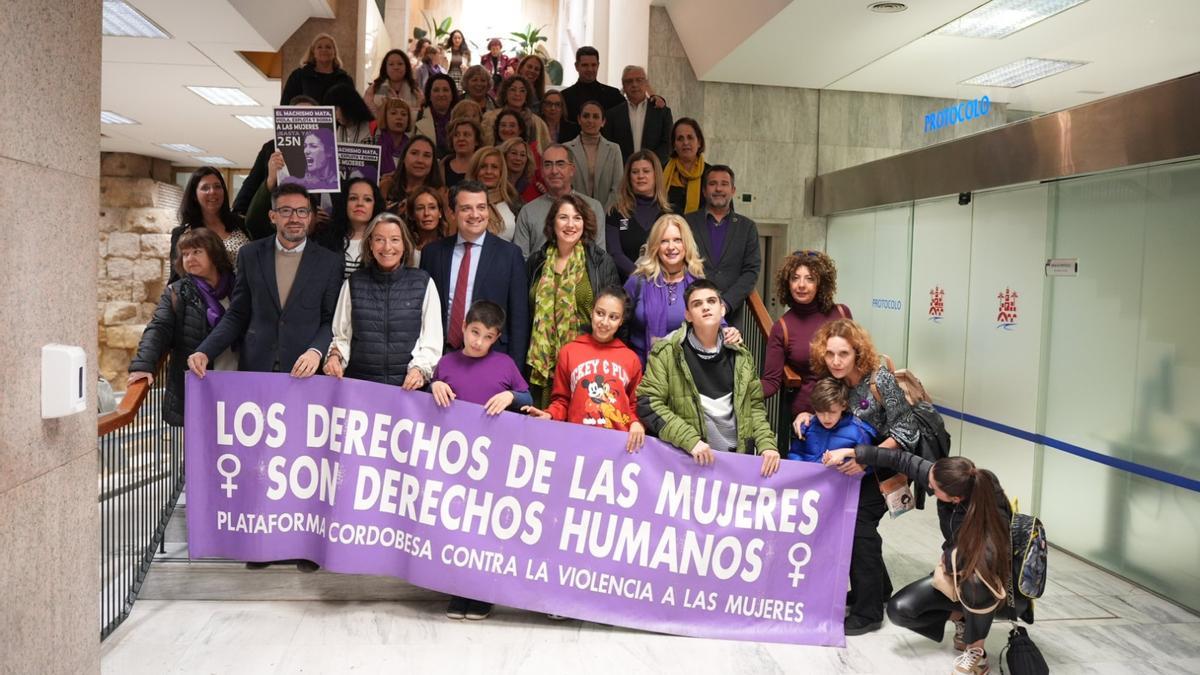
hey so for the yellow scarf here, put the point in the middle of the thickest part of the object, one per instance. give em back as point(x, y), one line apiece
point(675, 176)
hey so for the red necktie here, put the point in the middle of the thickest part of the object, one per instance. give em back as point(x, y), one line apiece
point(458, 308)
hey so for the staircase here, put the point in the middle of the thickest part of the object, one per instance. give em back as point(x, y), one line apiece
point(173, 576)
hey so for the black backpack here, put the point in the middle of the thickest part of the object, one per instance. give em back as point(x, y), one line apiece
point(1023, 657)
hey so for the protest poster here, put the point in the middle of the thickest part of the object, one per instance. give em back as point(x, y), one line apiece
point(358, 160)
point(547, 516)
point(307, 137)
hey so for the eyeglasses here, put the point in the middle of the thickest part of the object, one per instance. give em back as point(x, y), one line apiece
point(806, 253)
point(634, 80)
point(287, 211)
point(561, 165)
point(551, 104)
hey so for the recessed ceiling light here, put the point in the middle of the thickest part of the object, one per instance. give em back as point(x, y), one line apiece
point(223, 95)
point(257, 121)
point(1022, 72)
point(180, 147)
point(214, 160)
point(887, 7)
point(107, 117)
point(1001, 18)
point(122, 20)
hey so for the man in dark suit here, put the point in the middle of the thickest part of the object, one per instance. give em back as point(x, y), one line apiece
point(588, 88)
point(283, 301)
point(727, 241)
point(282, 304)
point(474, 265)
point(639, 112)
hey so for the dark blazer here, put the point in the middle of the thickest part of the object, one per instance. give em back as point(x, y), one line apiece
point(656, 132)
point(736, 273)
point(567, 131)
point(274, 336)
point(500, 278)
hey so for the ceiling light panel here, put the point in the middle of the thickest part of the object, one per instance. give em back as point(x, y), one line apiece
point(180, 147)
point(257, 121)
point(223, 95)
point(122, 20)
point(215, 161)
point(108, 117)
point(1001, 18)
point(1022, 72)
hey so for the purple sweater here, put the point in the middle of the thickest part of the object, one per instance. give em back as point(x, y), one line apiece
point(803, 321)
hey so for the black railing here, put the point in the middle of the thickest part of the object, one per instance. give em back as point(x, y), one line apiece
point(141, 478)
point(756, 326)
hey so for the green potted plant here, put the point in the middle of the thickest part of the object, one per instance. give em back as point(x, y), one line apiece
point(530, 41)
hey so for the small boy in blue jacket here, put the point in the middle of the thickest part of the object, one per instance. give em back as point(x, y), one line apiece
point(832, 428)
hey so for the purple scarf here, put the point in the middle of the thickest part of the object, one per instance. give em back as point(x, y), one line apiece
point(212, 296)
point(389, 147)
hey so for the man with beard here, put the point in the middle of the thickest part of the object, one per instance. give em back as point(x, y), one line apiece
point(282, 304)
point(283, 301)
point(728, 242)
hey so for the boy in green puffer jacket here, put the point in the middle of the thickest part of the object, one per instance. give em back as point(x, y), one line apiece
point(702, 395)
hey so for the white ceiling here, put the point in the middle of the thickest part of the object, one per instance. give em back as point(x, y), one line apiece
point(840, 44)
point(146, 79)
point(823, 44)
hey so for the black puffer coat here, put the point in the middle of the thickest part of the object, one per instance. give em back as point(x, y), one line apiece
point(179, 325)
point(385, 314)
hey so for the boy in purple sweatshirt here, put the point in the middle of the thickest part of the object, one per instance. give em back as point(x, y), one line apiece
point(489, 378)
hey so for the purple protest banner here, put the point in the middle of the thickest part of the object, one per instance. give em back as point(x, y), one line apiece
point(365, 478)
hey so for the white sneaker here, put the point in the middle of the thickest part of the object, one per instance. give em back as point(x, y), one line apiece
point(971, 662)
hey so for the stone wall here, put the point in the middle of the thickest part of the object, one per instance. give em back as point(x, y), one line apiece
point(137, 211)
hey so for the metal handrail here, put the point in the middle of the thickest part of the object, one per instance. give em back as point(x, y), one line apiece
point(127, 409)
point(141, 479)
point(762, 318)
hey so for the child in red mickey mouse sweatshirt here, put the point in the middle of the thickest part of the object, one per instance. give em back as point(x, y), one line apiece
point(596, 379)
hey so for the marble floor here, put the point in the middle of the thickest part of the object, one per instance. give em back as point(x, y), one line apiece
point(1088, 622)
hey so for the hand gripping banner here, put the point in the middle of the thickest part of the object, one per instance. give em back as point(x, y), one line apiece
point(365, 478)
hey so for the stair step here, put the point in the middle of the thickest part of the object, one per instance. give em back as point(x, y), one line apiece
point(174, 577)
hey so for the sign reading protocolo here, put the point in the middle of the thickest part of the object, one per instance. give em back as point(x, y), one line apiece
point(957, 114)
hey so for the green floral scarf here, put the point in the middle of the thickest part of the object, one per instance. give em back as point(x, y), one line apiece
point(560, 314)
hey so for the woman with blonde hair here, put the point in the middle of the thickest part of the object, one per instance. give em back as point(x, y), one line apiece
point(319, 70)
point(488, 167)
point(523, 171)
point(669, 263)
point(387, 327)
point(641, 200)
